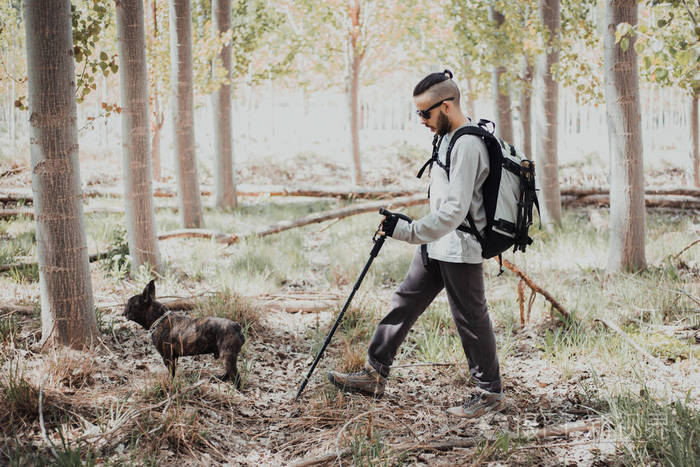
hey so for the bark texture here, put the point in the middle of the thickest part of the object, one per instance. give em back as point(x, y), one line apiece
point(694, 147)
point(136, 151)
point(526, 108)
point(225, 175)
point(626, 250)
point(502, 111)
point(183, 113)
point(548, 119)
point(67, 314)
point(354, 61)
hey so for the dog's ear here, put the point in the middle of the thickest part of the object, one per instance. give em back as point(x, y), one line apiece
point(149, 293)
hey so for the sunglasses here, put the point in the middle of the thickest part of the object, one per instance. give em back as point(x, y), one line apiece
point(426, 113)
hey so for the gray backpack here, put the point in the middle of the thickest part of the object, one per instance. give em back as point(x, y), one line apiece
point(509, 192)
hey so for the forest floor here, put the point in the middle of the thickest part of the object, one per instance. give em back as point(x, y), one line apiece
point(634, 386)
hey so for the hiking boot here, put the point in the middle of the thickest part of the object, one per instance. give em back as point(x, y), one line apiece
point(480, 404)
point(366, 381)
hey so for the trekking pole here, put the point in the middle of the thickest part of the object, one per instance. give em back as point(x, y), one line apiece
point(378, 242)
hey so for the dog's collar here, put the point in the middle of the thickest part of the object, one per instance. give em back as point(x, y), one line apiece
point(154, 326)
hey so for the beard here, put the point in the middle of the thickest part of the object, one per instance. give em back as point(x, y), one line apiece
point(443, 124)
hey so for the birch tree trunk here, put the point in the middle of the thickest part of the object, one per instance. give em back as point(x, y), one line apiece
point(547, 119)
point(225, 176)
point(354, 88)
point(526, 108)
point(694, 147)
point(626, 250)
point(136, 151)
point(67, 313)
point(189, 199)
point(502, 111)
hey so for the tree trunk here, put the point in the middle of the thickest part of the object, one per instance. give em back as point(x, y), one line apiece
point(225, 177)
point(695, 151)
point(67, 314)
point(469, 97)
point(626, 251)
point(502, 111)
point(354, 88)
point(157, 120)
point(183, 113)
point(547, 123)
point(526, 108)
point(157, 116)
point(140, 215)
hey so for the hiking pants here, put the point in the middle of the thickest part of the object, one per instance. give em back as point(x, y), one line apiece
point(464, 285)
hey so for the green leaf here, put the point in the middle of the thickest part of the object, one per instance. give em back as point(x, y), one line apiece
point(661, 23)
point(625, 44)
point(103, 56)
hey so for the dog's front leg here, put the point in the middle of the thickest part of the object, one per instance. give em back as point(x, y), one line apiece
point(171, 364)
point(230, 362)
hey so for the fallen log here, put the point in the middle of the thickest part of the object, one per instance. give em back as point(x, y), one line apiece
point(29, 212)
point(651, 201)
point(306, 220)
point(650, 190)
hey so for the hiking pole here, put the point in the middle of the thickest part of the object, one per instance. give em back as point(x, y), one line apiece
point(378, 242)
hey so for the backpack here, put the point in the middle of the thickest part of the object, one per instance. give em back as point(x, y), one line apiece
point(509, 192)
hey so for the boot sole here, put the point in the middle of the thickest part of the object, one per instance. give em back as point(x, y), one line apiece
point(498, 407)
point(354, 390)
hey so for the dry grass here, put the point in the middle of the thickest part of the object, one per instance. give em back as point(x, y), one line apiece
point(117, 403)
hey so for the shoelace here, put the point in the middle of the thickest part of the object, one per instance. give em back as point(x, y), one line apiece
point(476, 398)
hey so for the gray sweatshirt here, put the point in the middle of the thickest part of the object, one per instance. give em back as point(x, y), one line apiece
point(449, 202)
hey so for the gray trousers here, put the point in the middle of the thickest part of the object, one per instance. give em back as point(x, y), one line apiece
point(464, 285)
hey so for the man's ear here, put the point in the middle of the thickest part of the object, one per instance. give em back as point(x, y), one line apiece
point(149, 293)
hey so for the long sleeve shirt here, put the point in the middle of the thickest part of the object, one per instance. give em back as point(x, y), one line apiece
point(450, 200)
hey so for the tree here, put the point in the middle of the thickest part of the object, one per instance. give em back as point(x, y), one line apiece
point(189, 197)
point(670, 52)
point(67, 314)
point(225, 182)
point(140, 214)
point(547, 116)
point(627, 211)
point(356, 40)
point(501, 93)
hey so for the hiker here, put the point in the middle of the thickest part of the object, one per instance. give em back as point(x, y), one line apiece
point(448, 258)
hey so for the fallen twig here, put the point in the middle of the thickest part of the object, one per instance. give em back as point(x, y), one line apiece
point(566, 428)
point(631, 342)
point(41, 424)
point(535, 288)
point(695, 242)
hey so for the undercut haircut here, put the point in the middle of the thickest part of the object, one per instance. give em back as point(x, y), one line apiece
point(439, 86)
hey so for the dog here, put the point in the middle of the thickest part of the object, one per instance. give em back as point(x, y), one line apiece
point(178, 336)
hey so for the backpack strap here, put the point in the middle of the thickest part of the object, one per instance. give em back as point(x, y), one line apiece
point(433, 157)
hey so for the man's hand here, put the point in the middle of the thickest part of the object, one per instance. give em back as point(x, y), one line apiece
point(388, 224)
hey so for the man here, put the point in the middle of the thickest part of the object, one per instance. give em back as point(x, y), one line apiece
point(450, 260)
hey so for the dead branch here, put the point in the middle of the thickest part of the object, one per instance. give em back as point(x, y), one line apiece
point(695, 242)
point(92, 258)
point(29, 212)
point(199, 233)
point(535, 288)
point(566, 429)
point(306, 220)
point(631, 342)
point(12, 309)
point(401, 447)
